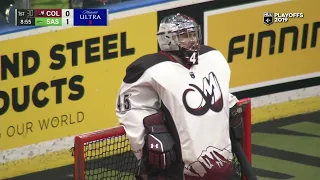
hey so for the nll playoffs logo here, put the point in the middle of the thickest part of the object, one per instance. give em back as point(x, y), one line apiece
point(268, 18)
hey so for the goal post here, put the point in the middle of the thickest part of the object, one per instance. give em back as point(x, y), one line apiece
point(247, 127)
point(106, 154)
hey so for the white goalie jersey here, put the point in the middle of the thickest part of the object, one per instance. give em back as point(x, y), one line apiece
point(198, 101)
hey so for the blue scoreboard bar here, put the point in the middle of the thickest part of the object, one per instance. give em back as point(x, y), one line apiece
point(90, 17)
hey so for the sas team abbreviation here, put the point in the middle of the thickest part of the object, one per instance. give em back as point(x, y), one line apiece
point(270, 18)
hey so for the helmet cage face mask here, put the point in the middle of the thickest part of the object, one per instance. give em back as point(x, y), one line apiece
point(189, 39)
point(181, 37)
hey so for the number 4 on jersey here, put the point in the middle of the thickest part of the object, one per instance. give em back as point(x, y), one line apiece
point(193, 58)
point(124, 104)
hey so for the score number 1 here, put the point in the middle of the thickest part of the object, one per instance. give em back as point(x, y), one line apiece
point(67, 17)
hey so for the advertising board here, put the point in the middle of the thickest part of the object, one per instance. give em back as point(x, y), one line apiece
point(65, 83)
point(259, 53)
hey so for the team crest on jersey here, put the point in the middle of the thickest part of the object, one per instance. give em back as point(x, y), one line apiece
point(211, 96)
point(210, 162)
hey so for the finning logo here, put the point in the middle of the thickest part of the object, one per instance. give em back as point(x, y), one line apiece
point(211, 96)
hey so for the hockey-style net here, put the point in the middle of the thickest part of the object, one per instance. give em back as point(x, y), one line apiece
point(106, 154)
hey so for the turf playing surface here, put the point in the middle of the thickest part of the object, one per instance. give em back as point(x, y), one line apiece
point(282, 149)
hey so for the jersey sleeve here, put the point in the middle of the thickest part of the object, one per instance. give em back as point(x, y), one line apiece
point(136, 100)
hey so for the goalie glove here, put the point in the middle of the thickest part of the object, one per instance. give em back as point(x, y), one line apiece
point(160, 151)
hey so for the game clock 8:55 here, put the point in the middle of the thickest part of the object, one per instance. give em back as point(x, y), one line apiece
point(26, 22)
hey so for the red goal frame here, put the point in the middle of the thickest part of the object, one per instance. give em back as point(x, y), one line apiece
point(81, 140)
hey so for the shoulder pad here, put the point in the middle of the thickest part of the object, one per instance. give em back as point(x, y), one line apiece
point(204, 49)
point(136, 69)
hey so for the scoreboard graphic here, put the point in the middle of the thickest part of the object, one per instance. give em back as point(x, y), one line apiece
point(61, 17)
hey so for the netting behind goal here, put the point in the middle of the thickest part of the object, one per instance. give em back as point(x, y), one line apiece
point(106, 154)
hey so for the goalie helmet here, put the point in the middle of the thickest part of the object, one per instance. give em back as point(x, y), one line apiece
point(180, 35)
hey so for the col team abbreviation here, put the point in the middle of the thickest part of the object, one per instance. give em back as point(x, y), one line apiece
point(48, 12)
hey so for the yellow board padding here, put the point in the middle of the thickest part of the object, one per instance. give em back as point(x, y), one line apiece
point(286, 109)
point(36, 164)
point(62, 158)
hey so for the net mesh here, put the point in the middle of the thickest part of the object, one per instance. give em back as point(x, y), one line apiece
point(112, 159)
point(109, 159)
